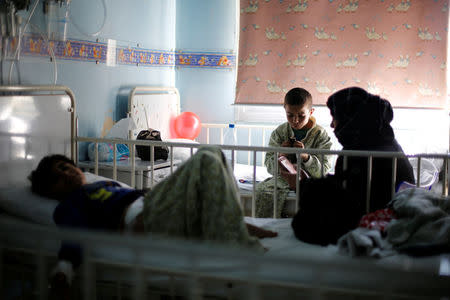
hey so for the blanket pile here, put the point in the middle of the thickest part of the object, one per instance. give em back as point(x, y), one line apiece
point(421, 227)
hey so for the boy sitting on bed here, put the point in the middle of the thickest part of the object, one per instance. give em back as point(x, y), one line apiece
point(198, 201)
point(300, 131)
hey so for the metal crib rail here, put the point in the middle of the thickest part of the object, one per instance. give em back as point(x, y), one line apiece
point(311, 273)
point(248, 127)
point(370, 155)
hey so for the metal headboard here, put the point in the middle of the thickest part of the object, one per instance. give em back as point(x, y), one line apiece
point(157, 111)
point(34, 121)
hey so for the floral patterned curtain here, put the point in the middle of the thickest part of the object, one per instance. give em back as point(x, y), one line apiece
point(396, 49)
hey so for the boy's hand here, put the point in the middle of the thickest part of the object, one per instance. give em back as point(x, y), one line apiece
point(304, 156)
point(287, 143)
point(298, 144)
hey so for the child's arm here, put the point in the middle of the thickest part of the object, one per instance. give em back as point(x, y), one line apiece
point(304, 156)
point(314, 164)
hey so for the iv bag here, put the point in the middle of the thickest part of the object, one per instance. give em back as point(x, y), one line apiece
point(57, 17)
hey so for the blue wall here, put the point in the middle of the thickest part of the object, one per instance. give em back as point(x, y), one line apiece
point(101, 89)
point(205, 26)
point(161, 25)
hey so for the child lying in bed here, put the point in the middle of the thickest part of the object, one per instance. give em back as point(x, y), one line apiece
point(198, 201)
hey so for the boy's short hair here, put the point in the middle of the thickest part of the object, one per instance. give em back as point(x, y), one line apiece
point(43, 178)
point(298, 96)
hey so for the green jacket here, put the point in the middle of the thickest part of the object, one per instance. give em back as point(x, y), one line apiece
point(316, 137)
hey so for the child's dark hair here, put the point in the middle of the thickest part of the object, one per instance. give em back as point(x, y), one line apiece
point(298, 96)
point(44, 177)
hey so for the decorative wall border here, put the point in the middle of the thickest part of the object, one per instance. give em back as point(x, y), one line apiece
point(100, 52)
point(208, 60)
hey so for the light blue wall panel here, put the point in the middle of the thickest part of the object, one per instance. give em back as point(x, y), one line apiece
point(101, 90)
point(149, 23)
point(206, 26)
point(207, 92)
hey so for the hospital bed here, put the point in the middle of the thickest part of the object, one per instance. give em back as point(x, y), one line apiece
point(147, 107)
point(151, 267)
point(249, 166)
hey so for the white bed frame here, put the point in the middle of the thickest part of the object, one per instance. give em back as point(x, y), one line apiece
point(122, 267)
point(157, 108)
point(254, 156)
point(254, 150)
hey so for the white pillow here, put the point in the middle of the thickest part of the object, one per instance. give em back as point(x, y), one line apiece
point(21, 202)
point(181, 153)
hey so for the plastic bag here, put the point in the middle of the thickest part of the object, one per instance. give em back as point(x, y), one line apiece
point(106, 152)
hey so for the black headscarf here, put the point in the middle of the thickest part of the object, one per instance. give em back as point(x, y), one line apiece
point(363, 119)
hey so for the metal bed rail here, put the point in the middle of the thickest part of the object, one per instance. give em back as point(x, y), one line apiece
point(45, 89)
point(210, 270)
point(370, 155)
point(247, 131)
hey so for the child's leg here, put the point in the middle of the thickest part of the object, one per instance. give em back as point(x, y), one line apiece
point(199, 201)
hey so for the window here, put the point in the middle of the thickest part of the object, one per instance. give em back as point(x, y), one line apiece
point(396, 49)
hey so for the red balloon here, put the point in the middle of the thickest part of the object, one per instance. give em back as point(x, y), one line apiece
point(187, 125)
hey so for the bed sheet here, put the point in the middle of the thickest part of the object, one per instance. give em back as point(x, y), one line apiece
point(286, 245)
point(287, 262)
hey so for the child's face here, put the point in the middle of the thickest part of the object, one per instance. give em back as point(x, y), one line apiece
point(298, 115)
point(69, 177)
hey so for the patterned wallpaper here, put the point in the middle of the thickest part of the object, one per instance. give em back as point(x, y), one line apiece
point(394, 48)
point(112, 54)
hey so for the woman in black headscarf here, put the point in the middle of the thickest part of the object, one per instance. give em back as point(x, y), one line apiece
point(331, 206)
